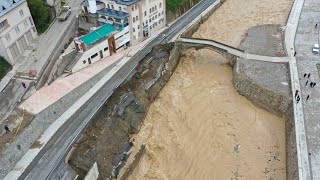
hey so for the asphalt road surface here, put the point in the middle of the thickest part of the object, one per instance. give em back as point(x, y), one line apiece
point(47, 164)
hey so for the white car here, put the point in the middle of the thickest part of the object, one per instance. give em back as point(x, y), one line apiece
point(315, 49)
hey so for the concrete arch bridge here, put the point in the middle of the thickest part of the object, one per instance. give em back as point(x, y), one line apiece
point(227, 51)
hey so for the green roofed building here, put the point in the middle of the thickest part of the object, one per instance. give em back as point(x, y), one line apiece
point(94, 36)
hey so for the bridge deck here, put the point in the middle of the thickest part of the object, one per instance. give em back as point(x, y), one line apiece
point(232, 50)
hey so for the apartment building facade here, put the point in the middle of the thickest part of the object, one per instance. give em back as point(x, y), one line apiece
point(17, 29)
point(143, 17)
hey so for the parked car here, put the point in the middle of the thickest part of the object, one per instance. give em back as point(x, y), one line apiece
point(315, 49)
point(64, 13)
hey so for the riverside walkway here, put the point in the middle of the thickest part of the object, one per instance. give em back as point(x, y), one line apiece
point(231, 50)
point(307, 34)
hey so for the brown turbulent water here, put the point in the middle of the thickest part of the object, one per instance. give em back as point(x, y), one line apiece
point(199, 127)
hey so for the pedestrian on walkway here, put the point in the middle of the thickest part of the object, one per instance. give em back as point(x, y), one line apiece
point(309, 75)
point(307, 83)
point(296, 94)
point(311, 84)
point(24, 85)
point(298, 99)
point(316, 25)
point(305, 74)
point(295, 53)
point(314, 84)
point(6, 127)
point(308, 97)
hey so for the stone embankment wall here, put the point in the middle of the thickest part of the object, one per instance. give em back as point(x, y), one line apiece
point(270, 99)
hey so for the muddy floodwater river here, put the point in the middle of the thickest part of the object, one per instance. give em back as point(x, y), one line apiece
point(199, 127)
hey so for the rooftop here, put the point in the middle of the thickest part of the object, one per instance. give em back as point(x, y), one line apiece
point(86, 3)
point(99, 33)
point(126, 2)
point(113, 13)
point(8, 5)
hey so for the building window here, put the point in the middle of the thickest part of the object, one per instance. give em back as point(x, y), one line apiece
point(95, 55)
point(137, 18)
point(84, 61)
point(142, 23)
point(150, 20)
point(120, 9)
point(132, 8)
point(134, 19)
point(134, 30)
point(112, 6)
point(108, 6)
point(159, 14)
point(31, 22)
point(25, 22)
point(162, 12)
point(138, 26)
point(146, 22)
point(3, 24)
point(160, 5)
point(105, 49)
point(145, 13)
point(7, 36)
point(21, 12)
point(155, 8)
point(156, 17)
point(17, 29)
point(150, 10)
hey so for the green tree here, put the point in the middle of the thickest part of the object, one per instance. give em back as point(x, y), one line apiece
point(40, 14)
point(5, 67)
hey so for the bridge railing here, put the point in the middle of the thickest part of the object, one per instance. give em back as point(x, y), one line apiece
point(210, 40)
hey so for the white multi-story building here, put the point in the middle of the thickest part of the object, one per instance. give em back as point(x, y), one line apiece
point(123, 23)
point(143, 17)
point(17, 30)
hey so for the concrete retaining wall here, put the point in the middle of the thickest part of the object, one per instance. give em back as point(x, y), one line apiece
point(134, 163)
point(46, 72)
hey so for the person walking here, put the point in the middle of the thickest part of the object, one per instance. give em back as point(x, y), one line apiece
point(296, 94)
point(316, 25)
point(305, 74)
point(311, 84)
point(309, 75)
point(314, 84)
point(6, 127)
point(24, 85)
point(308, 97)
point(295, 53)
point(298, 99)
point(307, 83)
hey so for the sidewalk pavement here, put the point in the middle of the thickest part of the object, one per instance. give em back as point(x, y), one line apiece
point(308, 35)
point(47, 95)
point(299, 121)
point(43, 46)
